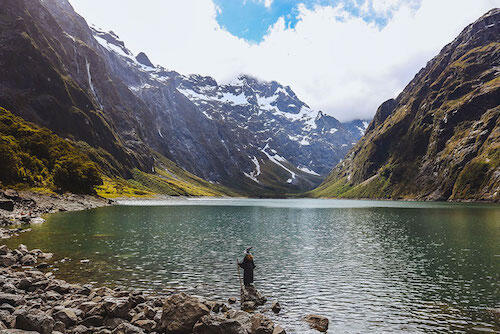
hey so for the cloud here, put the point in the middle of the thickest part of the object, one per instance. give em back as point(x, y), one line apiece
point(335, 61)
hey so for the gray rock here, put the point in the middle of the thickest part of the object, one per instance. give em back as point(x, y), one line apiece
point(276, 307)
point(218, 324)
point(146, 324)
point(126, 328)
point(317, 322)
point(80, 329)
point(66, 316)
point(7, 260)
point(4, 250)
point(181, 312)
point(93, 321)
point(114, 322)
point(117, 307)
point(278, 330)
point(11, 299)
point(35, 321)
point(28, 260)
point(251, 298)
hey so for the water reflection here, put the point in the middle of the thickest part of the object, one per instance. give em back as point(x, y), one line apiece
point(384, 267)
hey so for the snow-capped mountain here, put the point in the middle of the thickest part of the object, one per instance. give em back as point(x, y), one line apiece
point(250, 135)
point(277, 126)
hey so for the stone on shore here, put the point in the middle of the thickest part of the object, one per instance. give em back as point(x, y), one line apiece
point(181, 312)
point(35, 302)
point(317, 322)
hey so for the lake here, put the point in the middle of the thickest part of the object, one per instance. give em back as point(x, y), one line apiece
point(369, 266)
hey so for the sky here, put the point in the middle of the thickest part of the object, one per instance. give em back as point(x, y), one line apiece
point(344, 57)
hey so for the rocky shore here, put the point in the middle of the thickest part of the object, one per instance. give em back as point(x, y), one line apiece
point(20, 209)
point(33, 301)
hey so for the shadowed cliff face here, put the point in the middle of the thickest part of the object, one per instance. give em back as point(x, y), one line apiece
point(84, 84)
point(440, 138)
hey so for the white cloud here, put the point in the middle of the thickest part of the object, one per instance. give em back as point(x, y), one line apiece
point(332, 60)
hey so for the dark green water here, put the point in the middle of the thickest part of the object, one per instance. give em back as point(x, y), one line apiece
point(368, 266)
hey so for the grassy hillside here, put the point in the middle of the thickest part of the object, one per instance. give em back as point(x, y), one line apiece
point(440, 138)
point(33, 157)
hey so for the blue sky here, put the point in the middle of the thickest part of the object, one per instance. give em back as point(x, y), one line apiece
point(251, 19)
point(343, 57)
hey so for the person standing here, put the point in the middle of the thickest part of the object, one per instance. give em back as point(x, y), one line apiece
point(248, 266)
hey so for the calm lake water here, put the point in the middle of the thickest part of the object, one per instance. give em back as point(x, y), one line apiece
point(369, 266)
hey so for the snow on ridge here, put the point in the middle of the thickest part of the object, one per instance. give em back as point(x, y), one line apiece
point(113, 48)
point(308, 171)
point(265, 102)
point(253, 174)
point(276, 159)
point(230, 98)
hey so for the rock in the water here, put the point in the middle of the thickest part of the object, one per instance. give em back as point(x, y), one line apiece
point(181, 312)
point(251, 298)
point(276, 307)
point(317, 322)
point(279, 330)
point(232, 300)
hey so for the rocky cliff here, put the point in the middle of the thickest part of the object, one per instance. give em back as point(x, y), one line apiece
point(84, 84)
point(440, 138)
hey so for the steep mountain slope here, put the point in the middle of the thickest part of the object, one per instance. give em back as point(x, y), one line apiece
point(257, 136)
point(84, 84)
point(440, 138)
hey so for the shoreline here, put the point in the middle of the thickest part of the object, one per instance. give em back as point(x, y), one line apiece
point(33, 300)
point(20, 209)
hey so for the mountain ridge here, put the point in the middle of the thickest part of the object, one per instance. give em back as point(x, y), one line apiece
point(440, 138)
point(102, 95)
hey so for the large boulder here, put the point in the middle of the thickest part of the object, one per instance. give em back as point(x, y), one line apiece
point(118, 307)
point(234, 322)
point(181, 312)
point(11, 299)
point(66, 316)
point(35, 321)
point(317, 322)
point(218, 324)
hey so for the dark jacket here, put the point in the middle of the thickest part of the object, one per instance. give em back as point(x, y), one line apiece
point(248, 267)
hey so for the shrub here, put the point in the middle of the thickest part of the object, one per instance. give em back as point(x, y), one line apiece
point(34, 156)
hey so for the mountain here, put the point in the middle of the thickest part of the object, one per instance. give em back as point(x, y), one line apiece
point(440, 138)
point(128, 115)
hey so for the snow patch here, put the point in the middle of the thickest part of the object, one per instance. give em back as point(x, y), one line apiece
point(253, 175)
point(308, 171)
point(276, 159)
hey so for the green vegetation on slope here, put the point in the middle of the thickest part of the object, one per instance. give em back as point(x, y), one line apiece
point(440, 138)
point(35, 157)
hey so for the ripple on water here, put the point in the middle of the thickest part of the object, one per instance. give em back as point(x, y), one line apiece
point(373, 267)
